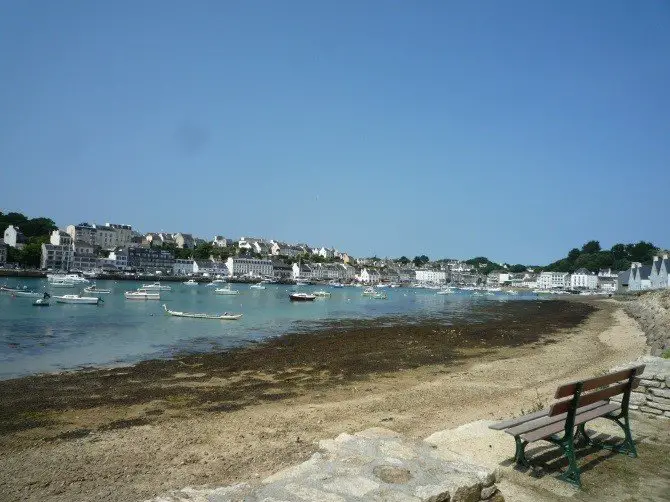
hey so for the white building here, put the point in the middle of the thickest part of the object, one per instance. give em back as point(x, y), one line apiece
point(659, 278)
point(369, 276)
point(184, 241)
point(221, 242)
point(583, 279)
point(553, 280)
point(427, 276)
point(14, 237)
point(183, 266)
point(105, 237)
point(326, 252)
point(122, 233)
point(249, 266)
point(56, 257)
point(60, 238)
point(639, 279)
point(84, 257)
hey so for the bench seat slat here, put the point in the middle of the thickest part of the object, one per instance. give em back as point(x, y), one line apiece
point(546, 420)
point(593, 383)
point(581, 418)
point(519, 420)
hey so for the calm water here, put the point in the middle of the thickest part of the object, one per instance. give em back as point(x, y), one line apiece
point(120, 331)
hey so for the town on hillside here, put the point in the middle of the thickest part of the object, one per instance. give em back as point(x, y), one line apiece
point(119, 250)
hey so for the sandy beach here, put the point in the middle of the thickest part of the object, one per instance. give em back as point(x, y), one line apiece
point(130, 433)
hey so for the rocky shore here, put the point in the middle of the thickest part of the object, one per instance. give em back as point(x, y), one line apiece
point(652, 310)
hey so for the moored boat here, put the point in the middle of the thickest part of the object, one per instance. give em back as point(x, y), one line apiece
point(42, 302)
point(257, 286)
point(76, 299)
point(96, 290)
point(445, 291)
point(61, 283)
point(20, 293)
point(226, 291)
point(222, 317)
point(369, 292)
point(156, 286)
point(379, 296)
point(190, 282)
point(301, 297)
point(321, 294)
point(142, 294)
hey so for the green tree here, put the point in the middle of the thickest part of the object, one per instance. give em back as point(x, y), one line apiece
point(30, 255)
point(403, 260)
point(517, 269)
point(573, 254)
point(419, 261)
point(591, 247)
point(202, 251)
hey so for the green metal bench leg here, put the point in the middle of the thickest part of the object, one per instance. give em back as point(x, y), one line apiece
point(572, 475)
point(581, 431)
point(519, 454)
point(628, 445)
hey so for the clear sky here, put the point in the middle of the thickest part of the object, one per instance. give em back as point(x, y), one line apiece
point(515, 130)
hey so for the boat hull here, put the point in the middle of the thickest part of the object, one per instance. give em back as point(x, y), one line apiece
point(302, 298)
point(145, 296)
point(82, 300)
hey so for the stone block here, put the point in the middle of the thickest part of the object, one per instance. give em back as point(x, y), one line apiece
point(635, 398)
point(666, 414)
point(467, 493)
point(659, 406)
point(357, 486)
point(488, 492)
point(664, 393)
point(660, 376)
point(303, 492)
point(650, 383)
point(652, 411)
point(434, 493)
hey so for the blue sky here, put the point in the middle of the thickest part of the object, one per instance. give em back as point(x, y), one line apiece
point(515, 130)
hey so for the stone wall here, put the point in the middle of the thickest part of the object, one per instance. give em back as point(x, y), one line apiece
point(652, 311)
point(653, 394)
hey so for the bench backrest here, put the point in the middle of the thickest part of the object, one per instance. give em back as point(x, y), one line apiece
point(606, 386)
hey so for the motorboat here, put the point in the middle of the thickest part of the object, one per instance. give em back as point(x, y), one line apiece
point(190, 282)
point(301, 297)
point(41, 302)
point(156, 286)
point(222, 317)
point(226, 291)
point(96, 290)
point(257, 286)
point(321, 294)
point(142, 294)
point(20, 293)
point(76, 299)
point(216, 281)
point(61, 283)
point(67, 277)
point(369, 292)
point(336, 284)
point(379, 296)
point(445, 291)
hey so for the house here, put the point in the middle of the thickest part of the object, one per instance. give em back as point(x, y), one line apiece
point(553, 280)
point(105, 237)
point(14, 237)
point(150, 259)
point(184, 241)
point(608, 284)
point(529, 281)
point(623, 279)
point(430, 276)
point(283, 249)
point(83, 232)
point(166, 239)
point(282, 270)
point(3, 252)
point(56, 257)
point(123, 233)
point(60, 238)
point(183, 266)
point(203, 267)
point(249, 266)
point(370, 276)
point(301, 271)
point(639, 277)
point(83, 257)
point(221, 242)
point(327, 253)
point(659, 277)
point(583, 279)
point(607, 272)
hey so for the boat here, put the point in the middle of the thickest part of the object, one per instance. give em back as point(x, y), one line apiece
point(445, 291)
point(257, 286)
point(321, 294)
point(42, 302)
point(67, 277)
point(20, 293)
point(76, 299)
point(142, 294)
point(379, 296)
point(216, 281)
point(336, 284)
point(369, 292)
point(156, 286)
point(223, 317)
point(191, 282)
point(61, 283)
point(301, 297)
point(511, 292)
point(226, 291)
point(94, 289)
point(301, 283)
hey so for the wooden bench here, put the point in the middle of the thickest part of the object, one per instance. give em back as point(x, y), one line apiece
point(587, 400)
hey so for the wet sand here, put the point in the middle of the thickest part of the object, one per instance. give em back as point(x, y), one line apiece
point(128, 433)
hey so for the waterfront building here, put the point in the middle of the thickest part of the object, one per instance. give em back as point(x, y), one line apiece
point(221, 242)
point(249, 266)
point(553, 280)
point(529, 281)
point(638, 279)
point(282, 270)
point(150, 259)
point(430, 276)
point(83, 257)
point(302, 271)
point(659, 277)
point(184, 241)
point(60, 238)
point(123, 234)
point(56, 257)
point(183, 266)
point(82, 232)
point(14, 237)
point(121, 258)
point(608, 284)
point(283, 249)
point(583, 279)
point(3, 252)
point(105, 237)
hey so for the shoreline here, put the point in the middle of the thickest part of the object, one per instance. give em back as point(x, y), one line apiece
point(212, 419)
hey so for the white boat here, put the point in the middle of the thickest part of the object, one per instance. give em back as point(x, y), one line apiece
point(95, 290)
point(86, 300)
point(257, 286)
point(191, 282)
point(222, 317)
point(445, 291)
point(156, 286)
point(20, 293)
point(61, 283)
point(321, 294)
point(142, 294)
point(336, 284)
point(226, 291)
point(379, 296)
point(301, 283)
point(511, 292)
point(301, 297)
point(67, 277)
point(215, 282)
point(369, 292)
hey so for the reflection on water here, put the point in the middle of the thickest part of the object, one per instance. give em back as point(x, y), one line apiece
point(119, 331)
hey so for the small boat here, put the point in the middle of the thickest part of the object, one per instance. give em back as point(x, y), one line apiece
point(301, 297)
point(511, 292)
point(369, 292)
point(257, 286)
point(301, 283)
point(20, 293)
point(156, 286)
point(445, 291)
point(94, 289)
point(61, 283)
point(321, 294)
point(74, 278)
point(216, 281)
point(336, 284)
point(76, 299)
point(142, 294)
point(223, 317)
point(379, 296)
point(42, 302)
point(190, 282)
point(226, 291)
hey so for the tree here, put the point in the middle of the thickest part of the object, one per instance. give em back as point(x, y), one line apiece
point(591, 247)
point(419, 261)
point(517, 269)
point(403, 260)
point(573, 254)
point(31, 255)
point(202, 251)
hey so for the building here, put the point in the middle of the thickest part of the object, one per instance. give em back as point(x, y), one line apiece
point(282, 270)
point(430, 276)
point(249, 266)
point(105, 237)
point(123, 233)
point(553, 280)
point(56, 257)
point(121, 258)
point(60, 238)
point(84, 257)
point(529, 281)
point(608, 284)
point(210, 267)
point(150, 259)
point(301, 271)
point(3, 252)
point(14, 237)
point(583, 279)
point(184, 241)
point(327, 253)
point(639, 277)
point(623, 279)
point(659, 277)
point(221, 242)
point(183, 266)
point(283, 249)
point(83, 232)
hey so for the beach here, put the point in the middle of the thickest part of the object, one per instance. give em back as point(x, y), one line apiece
point(214, 419)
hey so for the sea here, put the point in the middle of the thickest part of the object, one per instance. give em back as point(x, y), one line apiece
point(118, 332)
